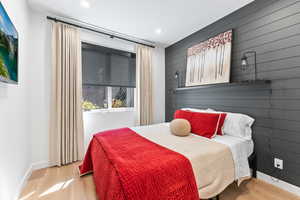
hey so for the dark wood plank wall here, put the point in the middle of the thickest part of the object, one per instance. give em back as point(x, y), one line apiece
point(272, 28)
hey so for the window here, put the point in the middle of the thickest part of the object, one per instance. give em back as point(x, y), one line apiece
point(108, 77)
point(121, 97)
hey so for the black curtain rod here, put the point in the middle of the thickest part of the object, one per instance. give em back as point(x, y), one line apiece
point(100, 32)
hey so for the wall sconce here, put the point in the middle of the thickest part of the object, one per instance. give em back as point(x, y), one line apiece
point(177, 77)
point(245, 64)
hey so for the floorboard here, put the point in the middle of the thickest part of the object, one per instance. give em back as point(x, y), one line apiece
point(57, 183)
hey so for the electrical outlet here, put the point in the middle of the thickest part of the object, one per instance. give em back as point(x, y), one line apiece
point(278, 163)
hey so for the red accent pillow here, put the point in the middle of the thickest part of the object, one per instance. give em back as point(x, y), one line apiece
point(203, 124)
point(183, 114)
point(221, 123)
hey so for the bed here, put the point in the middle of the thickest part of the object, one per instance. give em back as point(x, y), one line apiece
point(229, 156)
point(215, 163)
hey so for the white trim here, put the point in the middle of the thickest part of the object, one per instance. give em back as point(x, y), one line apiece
point(279, 183)
point(109, 97)
point(40, 165)
point(125, 109)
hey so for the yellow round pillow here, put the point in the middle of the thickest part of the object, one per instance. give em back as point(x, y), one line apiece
point(180, 127)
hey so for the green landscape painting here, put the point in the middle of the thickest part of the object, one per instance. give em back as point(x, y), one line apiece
point(8, 49)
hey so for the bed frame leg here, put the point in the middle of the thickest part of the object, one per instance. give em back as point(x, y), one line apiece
point(253, 164)
point(216, 198)
point(254, 167)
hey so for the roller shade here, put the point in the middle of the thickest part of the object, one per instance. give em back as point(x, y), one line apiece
point(102, 66)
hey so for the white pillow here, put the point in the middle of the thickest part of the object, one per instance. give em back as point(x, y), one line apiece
point(238, 125)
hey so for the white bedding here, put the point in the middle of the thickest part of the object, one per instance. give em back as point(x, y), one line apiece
point(241, 149)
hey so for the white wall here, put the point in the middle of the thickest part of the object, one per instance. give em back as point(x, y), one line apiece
point(14, 111)
point(24, 108)
point(96, 121)
point(97, 39)
point(40, 87)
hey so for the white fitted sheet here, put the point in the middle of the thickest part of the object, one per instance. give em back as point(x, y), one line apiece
point(241, 149)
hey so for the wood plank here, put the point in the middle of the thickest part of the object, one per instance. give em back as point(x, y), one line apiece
point(276, 15)
point(274, 36)
point(64, 183)
point(289, 20)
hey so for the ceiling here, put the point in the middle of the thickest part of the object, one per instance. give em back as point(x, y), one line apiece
point(160, 21)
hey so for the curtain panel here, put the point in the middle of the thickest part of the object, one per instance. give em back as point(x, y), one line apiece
point(66, 128)
point(144, 102)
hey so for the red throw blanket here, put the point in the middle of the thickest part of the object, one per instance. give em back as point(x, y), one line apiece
point(127, 166)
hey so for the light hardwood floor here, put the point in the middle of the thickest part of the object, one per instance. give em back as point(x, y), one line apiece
point(64, 183)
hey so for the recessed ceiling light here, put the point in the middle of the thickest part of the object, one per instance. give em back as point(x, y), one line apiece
point(85, 3)
point(158, 31)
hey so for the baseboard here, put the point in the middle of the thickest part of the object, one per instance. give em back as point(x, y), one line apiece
point(33, 166)
point(279, 183)
point(40, 165)
point(23, 182)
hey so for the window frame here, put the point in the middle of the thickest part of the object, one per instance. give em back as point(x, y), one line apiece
point(107, 110)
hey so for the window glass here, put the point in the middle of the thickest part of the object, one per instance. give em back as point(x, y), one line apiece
point(94, 97)
point(122, 97)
